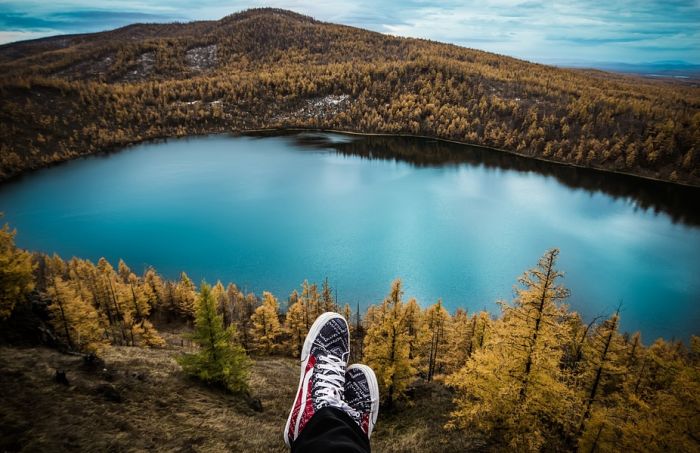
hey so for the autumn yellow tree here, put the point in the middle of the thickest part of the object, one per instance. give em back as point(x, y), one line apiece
point(155, 291)
point(295, 326)
point(436, 323)
point(514, 384)
point(459, 339)
point(386, 346)
point(416, 329)
point(143, 333)
point(266, 324)
point(603, 371)
point(16, 278)
point(311, 302)
point(327, 303)
point(185, 297)
point(74, 320)
point(223, 305)
point(347, 314)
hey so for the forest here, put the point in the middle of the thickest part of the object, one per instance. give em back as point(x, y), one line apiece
point(69, 96)
point(535, 377)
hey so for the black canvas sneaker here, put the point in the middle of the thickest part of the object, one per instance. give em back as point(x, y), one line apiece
point(362, 395)
point(323, 365)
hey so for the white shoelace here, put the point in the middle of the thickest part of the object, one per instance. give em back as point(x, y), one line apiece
point(329, 383)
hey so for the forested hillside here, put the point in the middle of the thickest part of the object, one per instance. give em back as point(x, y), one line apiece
point(68, 96)
point(536, 377)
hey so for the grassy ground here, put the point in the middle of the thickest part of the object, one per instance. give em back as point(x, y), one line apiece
point(140, 400)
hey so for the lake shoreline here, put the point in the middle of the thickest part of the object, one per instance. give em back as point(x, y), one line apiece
point(271, 130)
point(457, 142)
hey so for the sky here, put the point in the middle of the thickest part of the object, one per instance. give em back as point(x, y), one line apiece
point(546, 31)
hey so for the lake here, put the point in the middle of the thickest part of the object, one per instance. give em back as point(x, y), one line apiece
point(454, 222)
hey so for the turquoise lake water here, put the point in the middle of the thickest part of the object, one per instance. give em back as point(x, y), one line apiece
point(453, 222)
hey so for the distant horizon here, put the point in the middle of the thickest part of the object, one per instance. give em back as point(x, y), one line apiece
point(590, 33)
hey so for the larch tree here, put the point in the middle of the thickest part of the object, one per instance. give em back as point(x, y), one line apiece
point(143, 331)
point(436, 323)
point(223, 307)
point(514, 384)
point(327, 302)
point(292, 299)
point(311, 300)
point(266, 324)
point(417, 331)
point(347, 314)
point(185, 297)
point(16, 273)
point(110, 299)
point(357, 336)
point(123, 271)
point(155, 291)
point(669, 417)
point(220, 360)
point(459, 340)
point(295, 326)
point(234, 296)
point(602, 376)
point(250, 304)
point(74, 320)
point(386, 346)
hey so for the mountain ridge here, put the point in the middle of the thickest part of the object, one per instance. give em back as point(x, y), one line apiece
point(261, 68)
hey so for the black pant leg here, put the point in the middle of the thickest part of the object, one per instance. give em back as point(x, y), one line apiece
point(331, 430)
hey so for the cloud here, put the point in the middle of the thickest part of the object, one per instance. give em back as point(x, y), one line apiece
point(629, 31)
point(70, 21)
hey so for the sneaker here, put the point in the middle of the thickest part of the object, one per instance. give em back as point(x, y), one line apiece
point(362, 395)
point(323, 363)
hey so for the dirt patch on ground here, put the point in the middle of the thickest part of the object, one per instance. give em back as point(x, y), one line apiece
point(201, 58)
point(87, 70)
point(321, 107)
point(142, 69)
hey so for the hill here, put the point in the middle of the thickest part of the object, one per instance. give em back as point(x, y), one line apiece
point(67, 96)
point(139, 399)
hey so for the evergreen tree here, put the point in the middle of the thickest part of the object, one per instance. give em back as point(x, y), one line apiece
point(16, 278)
point(387, 346)
point(220, 360)
point(266, 324)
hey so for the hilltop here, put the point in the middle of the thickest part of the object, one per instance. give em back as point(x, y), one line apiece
point(68, 96)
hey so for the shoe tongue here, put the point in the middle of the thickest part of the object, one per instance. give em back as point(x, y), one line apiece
point(337, 351)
